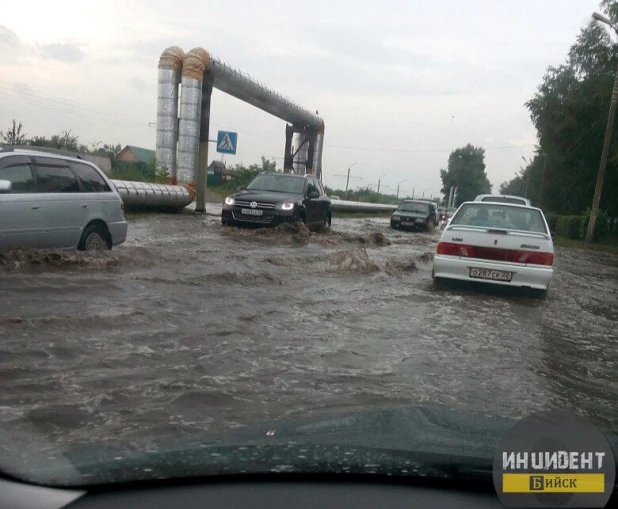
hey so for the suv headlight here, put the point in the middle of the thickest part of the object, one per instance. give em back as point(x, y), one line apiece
point(286, 205)
point(229, 201)
point(396, 218)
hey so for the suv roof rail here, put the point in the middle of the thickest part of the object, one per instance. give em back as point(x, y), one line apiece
point(31, 148)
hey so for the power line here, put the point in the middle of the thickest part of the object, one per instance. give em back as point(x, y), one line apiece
point(36, 100)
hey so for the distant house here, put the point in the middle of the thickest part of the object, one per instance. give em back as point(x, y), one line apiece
point(218, 174)
point(132, 154)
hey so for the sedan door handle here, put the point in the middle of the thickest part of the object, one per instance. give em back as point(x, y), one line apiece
point(84, 206)
point(36, 207)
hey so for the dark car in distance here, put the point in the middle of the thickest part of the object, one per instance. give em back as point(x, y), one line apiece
point(272, 198)
point(414, 214)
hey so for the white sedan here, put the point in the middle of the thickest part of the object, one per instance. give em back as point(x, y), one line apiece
point(497, 243)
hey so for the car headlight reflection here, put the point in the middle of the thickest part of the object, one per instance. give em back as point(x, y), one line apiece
point(229, 201)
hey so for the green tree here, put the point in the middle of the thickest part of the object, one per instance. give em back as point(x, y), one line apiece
point(466, 171)
point(13, 135)
point(569, 111)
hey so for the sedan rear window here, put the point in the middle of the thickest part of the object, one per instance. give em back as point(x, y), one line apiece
point(500, 216)
point(420, 208)
point(502, 199)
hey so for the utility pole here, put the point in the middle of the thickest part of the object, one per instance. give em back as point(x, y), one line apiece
point(347, 182)
point(399, 185)
point(598, 190)
point(379, 182)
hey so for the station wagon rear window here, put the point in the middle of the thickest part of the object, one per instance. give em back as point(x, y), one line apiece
point(500, 216)
point(91, 181)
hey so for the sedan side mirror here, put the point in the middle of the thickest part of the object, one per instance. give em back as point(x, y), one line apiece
point(553, 235)
point(313, 195)
point(5, 186)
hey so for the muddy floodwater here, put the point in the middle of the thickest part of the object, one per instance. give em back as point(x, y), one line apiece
point(192, 327)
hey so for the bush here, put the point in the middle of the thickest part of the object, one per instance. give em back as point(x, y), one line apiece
point(569, 226)
point(600, 229)
point(552, 220)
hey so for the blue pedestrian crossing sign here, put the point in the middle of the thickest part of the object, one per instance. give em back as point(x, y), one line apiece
point(226, 142)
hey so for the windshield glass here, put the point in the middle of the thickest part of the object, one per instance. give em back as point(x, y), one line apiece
point(180, 296)
point(500, 216)
point(416, 207)
point(277, 184)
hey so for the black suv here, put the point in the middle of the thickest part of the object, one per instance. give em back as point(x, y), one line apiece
point(273, 198)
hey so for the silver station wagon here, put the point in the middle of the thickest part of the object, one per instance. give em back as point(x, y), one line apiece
point(53, 201)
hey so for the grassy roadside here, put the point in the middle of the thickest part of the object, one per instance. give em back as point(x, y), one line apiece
point(609, 244)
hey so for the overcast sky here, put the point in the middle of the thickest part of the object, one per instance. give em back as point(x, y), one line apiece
point(399, 83)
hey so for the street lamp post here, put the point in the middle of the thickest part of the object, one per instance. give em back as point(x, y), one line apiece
point(399, 185)
point(423, 195)
point(598, 190)
point(379, 182)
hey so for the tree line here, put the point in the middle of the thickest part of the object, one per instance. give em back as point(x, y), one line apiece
point(570, 111)
point(65, 140)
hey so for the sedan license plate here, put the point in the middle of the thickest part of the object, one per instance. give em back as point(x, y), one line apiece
point(494, 275)
point(252, 212)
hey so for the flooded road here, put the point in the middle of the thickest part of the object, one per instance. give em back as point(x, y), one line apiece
point(193, 327)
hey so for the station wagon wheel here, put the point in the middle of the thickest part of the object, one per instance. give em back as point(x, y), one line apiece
point(94, 238)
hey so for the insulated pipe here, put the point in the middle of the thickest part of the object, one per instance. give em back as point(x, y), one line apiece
point(193, 67)
point(247, 89)
point(170, 65)
point(317, 154)
point(300, 145)
point(142, 194)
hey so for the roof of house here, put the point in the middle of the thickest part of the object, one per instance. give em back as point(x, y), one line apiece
point(219, 165)
point(143, 154)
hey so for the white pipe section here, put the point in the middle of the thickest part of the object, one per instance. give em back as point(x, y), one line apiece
point(142, 194)
point(193, 67)
point(301, 156)
point(170, 67)
point(317, 155)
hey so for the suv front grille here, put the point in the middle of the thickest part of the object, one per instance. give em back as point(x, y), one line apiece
point(260, 205)
point(252, 219)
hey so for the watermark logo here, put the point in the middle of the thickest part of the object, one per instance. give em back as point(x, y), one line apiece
point(554, 459)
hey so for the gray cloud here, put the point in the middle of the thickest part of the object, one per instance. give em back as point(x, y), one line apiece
point(138, 84)
point(62, 52)
point(23, 88)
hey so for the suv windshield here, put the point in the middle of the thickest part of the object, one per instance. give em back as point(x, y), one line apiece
point(500, 216)
point(277, 184)
point(416, 207)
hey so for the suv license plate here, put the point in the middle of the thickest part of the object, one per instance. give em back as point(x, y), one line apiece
point(494, 275)
point(252, 212)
